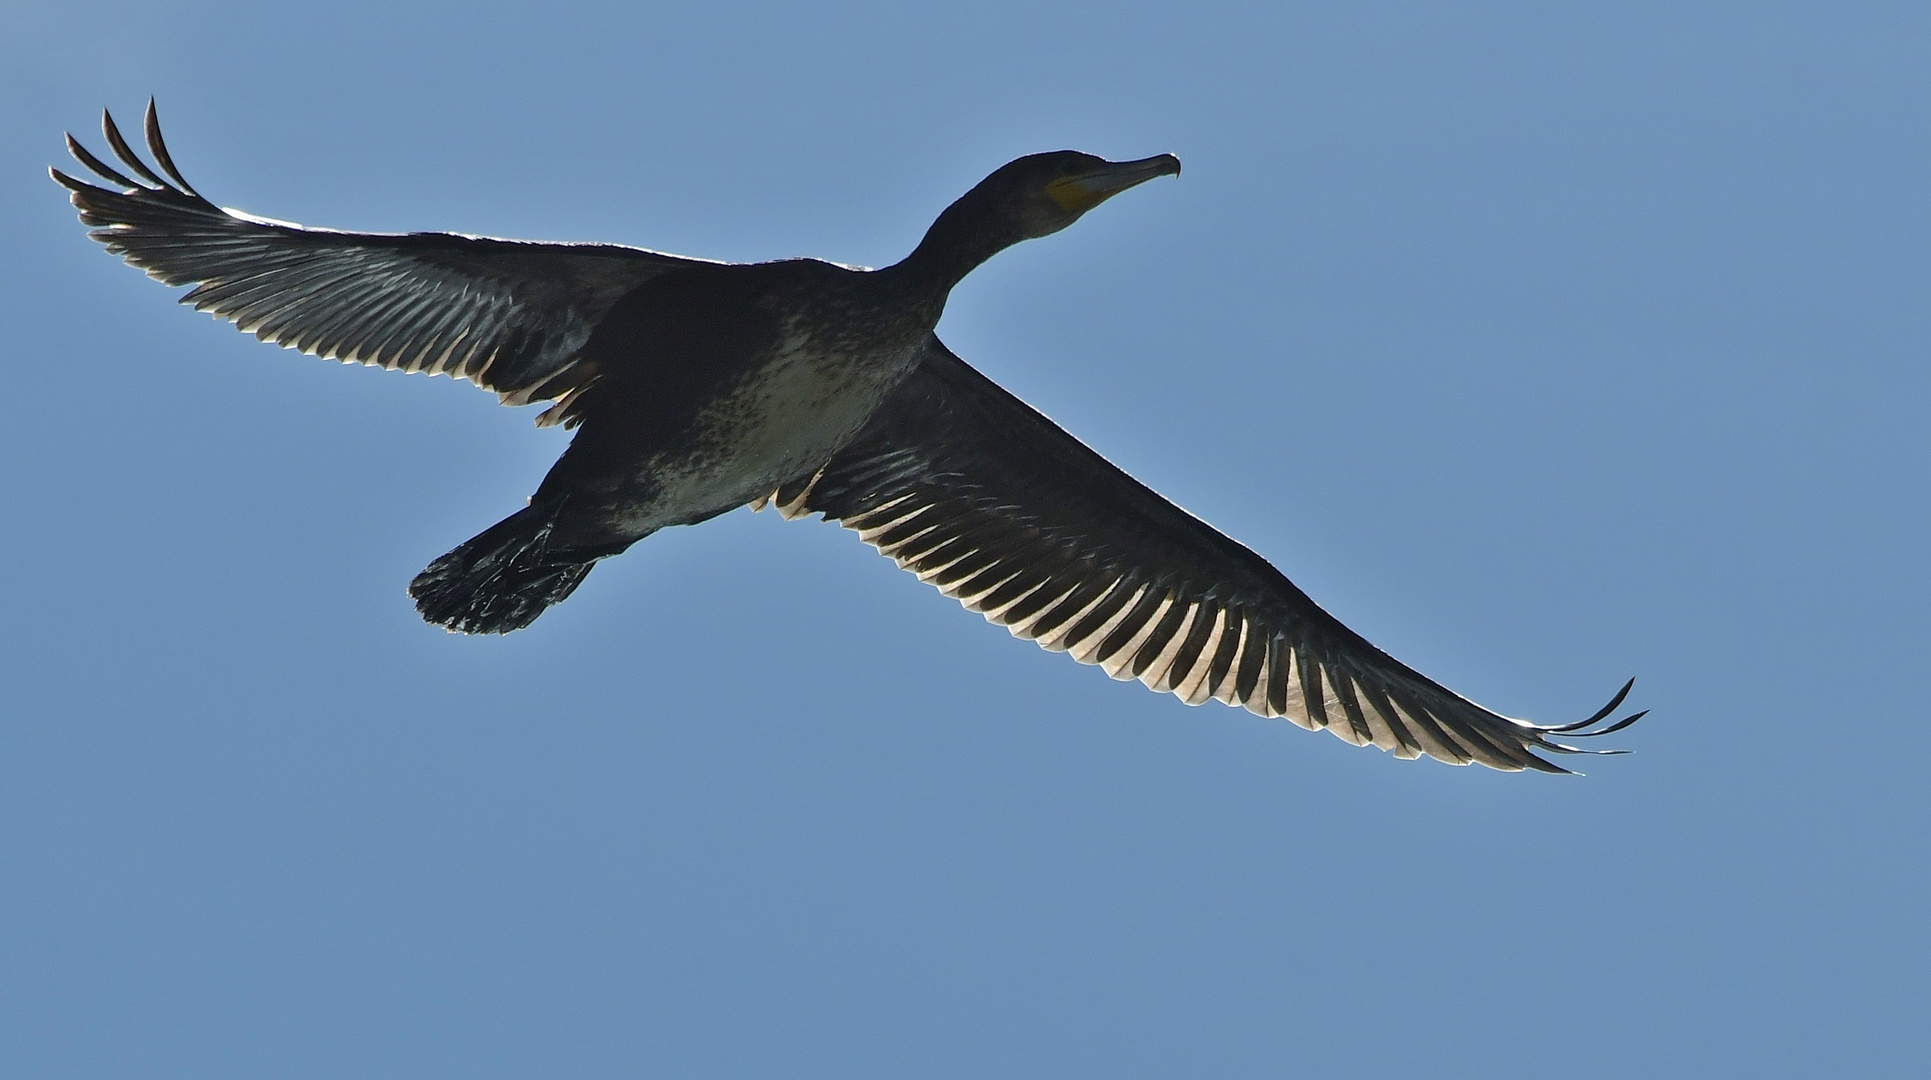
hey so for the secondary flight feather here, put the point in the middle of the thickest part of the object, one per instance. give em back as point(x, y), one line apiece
point(697, 387)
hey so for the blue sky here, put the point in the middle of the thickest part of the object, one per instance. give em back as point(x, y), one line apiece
point(1544, 344)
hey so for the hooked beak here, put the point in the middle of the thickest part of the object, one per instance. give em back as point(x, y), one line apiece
point(1080, 193)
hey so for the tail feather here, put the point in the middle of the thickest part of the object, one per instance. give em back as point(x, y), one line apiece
point(501, 579)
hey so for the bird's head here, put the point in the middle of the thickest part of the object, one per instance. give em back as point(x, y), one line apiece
point(1041, 194)
point(1033, 196)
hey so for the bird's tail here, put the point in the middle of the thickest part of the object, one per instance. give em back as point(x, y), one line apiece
point(503, 578)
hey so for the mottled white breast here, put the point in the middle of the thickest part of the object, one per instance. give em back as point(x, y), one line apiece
point(784, 418)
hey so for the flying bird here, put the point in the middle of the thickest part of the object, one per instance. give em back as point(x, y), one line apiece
point(696, 387)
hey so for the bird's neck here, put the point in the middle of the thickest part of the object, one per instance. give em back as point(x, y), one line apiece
point(961, 239)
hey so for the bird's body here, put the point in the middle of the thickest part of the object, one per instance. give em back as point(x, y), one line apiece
point(725, 382)
point(697, 387)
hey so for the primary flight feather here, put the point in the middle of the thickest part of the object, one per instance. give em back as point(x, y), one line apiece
point(697, 387)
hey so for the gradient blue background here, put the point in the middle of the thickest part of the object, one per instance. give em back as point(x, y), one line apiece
point(1544, 344)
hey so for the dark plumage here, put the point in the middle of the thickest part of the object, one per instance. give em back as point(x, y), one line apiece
point(699, 386)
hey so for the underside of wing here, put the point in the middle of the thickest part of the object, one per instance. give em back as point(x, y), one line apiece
point(509, 316)
point(981, 496)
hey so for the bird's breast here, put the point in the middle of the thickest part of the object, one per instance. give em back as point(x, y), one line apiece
point(789, 411)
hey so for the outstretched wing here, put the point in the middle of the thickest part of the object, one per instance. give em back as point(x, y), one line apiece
point(507, 315)
point(978, 494)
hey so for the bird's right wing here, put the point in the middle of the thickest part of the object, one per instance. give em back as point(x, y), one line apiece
point(508, 315)
point(978, 494)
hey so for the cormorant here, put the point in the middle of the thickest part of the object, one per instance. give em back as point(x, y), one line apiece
point(698, 386)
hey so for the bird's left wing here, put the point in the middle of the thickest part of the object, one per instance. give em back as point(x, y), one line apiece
point(508, 315)
point(978, 494)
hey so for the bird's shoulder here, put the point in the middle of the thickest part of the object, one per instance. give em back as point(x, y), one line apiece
point(709, 285)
